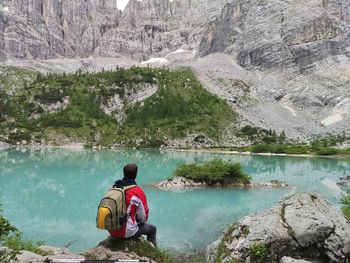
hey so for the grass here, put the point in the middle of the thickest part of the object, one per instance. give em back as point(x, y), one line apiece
point(345, 200)
point(259, 252)
point(179, 107)
point(214, 172)
point(139, 246)
point(222, 250)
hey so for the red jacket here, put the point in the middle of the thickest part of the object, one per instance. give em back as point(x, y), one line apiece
point(137, 209)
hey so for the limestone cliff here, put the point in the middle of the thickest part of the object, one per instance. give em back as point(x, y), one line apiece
point(281, 64)
point(280, 33)
point(40, 29)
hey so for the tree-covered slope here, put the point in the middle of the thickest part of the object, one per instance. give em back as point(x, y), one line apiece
point(137, 106)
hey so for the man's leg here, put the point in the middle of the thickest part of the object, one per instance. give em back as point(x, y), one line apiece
point(149, 230)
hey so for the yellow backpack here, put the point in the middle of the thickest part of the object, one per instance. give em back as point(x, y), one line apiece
point(111, 212)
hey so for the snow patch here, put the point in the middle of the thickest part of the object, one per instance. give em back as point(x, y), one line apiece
point(291, 109)
point(6, 8)
point(178, 51)
point(338, 112)
point(332, 119)
point(154, 60)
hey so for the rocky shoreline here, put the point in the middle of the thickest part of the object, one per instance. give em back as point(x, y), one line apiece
point(108, 249)
point(81, 146)
point(303, 226)
point(181, 183)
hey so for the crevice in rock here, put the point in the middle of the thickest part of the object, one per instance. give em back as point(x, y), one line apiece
point(290, 230)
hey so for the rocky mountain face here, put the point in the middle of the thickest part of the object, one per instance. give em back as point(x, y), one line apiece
point(281, 64)
point(280, 33)
point(40, 29)
point(154, 28)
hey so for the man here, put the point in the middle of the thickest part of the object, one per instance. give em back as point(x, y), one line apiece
point(137, 208)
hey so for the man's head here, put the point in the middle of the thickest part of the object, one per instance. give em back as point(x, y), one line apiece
point(130, 171)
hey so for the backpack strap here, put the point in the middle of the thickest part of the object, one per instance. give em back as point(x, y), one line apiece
point(125, 188)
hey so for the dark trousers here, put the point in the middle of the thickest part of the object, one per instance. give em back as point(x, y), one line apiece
point(149, 230)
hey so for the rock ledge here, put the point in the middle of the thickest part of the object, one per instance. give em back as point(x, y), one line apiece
point(303, 226)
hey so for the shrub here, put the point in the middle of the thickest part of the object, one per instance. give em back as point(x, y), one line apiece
point(213, 172)
point(12, 238)
point(297, 149)
point(262, 148)
point(259, 251)
point(326, 151)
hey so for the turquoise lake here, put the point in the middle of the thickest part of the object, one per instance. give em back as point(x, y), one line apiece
point(52, 195)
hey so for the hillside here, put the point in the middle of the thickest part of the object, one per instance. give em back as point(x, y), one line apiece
point(142, 107)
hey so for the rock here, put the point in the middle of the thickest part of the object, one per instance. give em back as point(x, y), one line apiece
point(27, 256)
point(59, 253)
point(179, 183)
point(301, 226)
point(287, 34)
point(55, 250)
point(268, 184)
point(114, 248)
point(293, 260)
point(52, 253)
point(4, 146)
point(54, 29)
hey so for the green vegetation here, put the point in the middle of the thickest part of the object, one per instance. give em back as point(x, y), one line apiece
point(214, 172)
point(145, 249)
point(345, 200)
point(258, 135)
point(297, 149)
point(222, 250)
point(54, 107)
point(268, 141)
point(245, 231)
point(291, 232)
point(259, 252)
point(12, 238)
point(140, 247)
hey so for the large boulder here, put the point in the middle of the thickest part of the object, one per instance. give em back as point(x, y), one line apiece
point(303, 226)
point(50, 253)
point(115, 248)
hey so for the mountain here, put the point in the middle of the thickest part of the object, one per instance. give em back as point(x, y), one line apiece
point(280, 64)
point(41, 29)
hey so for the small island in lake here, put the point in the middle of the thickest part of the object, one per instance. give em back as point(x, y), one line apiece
point(216, 173)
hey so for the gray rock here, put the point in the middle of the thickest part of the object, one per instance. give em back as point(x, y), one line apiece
point(288, 33)
point(4, 146)
point(293, 260)
point(302, 226)
point(179, 183)
point(114, 248)
point(27, 256)
point(52, 253)
point(54, 29)
point(55, 250)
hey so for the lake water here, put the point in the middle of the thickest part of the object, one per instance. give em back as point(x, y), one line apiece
point(52, 195)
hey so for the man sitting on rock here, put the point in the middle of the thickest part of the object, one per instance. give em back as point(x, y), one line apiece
point(137, 209)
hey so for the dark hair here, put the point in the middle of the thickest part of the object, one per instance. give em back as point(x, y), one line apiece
point(130, 171)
